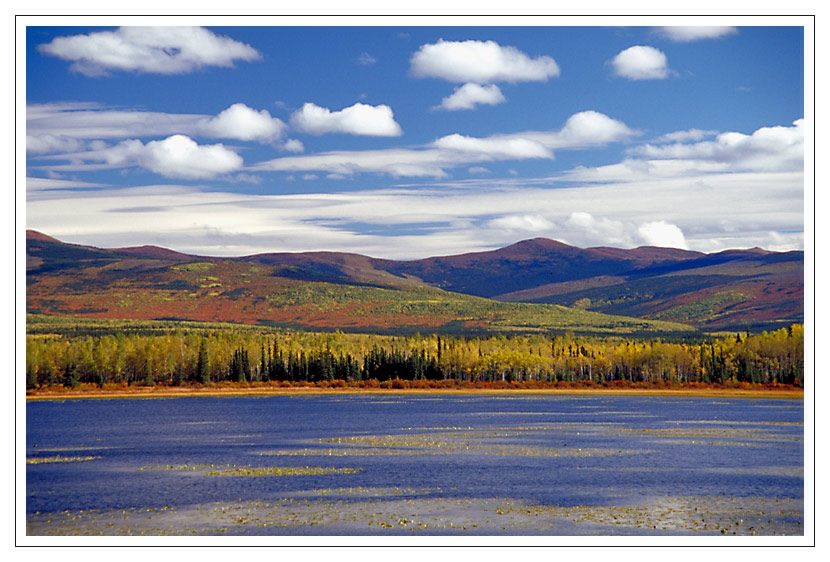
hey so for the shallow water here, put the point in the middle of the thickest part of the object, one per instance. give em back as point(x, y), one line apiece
point(381, 464)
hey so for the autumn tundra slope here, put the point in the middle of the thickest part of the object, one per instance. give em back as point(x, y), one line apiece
point(533, 285)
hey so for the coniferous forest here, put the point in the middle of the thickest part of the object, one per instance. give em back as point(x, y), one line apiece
point(119, 355)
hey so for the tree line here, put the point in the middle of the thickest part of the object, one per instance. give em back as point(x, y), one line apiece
point(202, 357)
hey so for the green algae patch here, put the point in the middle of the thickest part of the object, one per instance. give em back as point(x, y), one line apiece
point(58, 458)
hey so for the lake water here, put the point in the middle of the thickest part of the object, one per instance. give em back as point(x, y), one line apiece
point(415, 465)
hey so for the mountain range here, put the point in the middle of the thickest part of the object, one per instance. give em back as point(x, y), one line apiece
point(532, 285)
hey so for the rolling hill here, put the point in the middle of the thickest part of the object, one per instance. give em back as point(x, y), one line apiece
point(532, 285)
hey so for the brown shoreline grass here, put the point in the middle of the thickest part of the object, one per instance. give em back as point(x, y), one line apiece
point(400, 387)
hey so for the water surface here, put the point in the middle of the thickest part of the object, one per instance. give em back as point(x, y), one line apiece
point(388, 464)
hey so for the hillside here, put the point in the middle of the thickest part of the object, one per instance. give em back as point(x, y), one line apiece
point(502, 289)
point(317, 291)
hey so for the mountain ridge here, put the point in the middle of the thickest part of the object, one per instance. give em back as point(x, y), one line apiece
point(728, 289)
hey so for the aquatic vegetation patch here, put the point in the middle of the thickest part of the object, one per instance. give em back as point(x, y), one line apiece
point(366, 492)
point(365, 514)
point(70, 449)
point(481, 442)
point(704, 433)
point(282, 471)
point(178, 467)
point(485, 450)
point(234, 470)
point(693, 514)
point(58, 458)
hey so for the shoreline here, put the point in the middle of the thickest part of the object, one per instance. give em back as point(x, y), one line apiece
point(782, 393)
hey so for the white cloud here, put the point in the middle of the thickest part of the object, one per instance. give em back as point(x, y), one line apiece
point(358, 119)
point(53, 127)
point(641, 63)
point(180, 157)
point(365, 59)
point(90, 121)
point(49, 144)
point(470, 95)
point(494, 148)
point(478, 170)
point(480, 62)
point(522, 223)
point(712, 211)
point(160, 50)
point(393, 162)
point(38, 184)
point(177, 156)
point(687, 33)
point(662, 234)
point(243, 123)
point(683, 136)
point(588, 128)
point(293, 145)
point(767, 149)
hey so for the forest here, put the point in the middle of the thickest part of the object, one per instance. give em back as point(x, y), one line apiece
point(192, 354)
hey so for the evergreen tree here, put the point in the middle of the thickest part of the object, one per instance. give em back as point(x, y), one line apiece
point(202, 364)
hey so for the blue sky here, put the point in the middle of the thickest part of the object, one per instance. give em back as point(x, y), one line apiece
point(405, 142)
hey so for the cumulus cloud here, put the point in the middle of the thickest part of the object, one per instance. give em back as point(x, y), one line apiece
point(662, 234)
point(470, 95)
point(358, 119)
point(293, 145)
point(159, 50)
point(688, 33)
point(641, 63)
point(177, 156)
point(243, 123)
point(480, 62)
point(767, 149)
point(590, 128)
point(180, 157)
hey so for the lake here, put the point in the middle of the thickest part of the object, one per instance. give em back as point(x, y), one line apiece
point(386, 464)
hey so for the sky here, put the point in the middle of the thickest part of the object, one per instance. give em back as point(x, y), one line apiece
point(412, 141)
